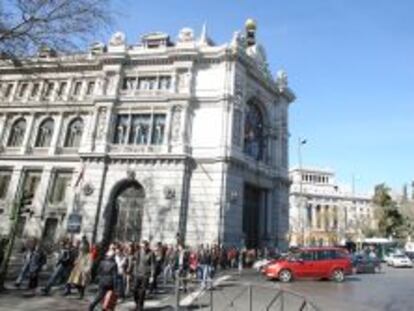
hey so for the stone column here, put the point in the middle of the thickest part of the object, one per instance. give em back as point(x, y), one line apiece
point(90, 130)
point(41, 199)
point(102, 128)
point(314, 217)
point(56, 134)
point(3, 121)
point(30, 132)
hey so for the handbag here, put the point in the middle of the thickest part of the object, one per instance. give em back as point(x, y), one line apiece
point(109, 301)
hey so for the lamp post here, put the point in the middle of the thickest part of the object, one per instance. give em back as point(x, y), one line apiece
point(302, 203)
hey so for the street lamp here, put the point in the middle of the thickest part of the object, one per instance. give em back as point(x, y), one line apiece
point(302, 203)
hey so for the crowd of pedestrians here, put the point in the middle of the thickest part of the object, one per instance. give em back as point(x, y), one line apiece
point(130, 269)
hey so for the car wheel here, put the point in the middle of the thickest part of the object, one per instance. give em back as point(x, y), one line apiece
point(338, 275)
point(285, 276)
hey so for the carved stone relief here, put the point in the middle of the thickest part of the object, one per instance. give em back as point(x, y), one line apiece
point(183, 80)
point(237, 127)
point(100, 124)
point(110, 84)
point(239, 88)
point(176, 124)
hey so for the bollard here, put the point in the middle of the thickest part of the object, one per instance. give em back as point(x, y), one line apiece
point(282, 301)
point(250, 297)
point(177, 293)
point(211, 300)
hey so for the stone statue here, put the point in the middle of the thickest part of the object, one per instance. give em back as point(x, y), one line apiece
point(282, 79)
point(117, 39)
point(186, 35)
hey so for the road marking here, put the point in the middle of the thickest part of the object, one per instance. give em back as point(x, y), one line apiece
point(188, 300)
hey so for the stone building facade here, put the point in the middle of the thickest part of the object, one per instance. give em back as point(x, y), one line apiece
point(153, 140)
point(325, 213)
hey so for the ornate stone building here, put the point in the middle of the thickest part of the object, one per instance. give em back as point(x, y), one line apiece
point(324, 213)
point(150, 140)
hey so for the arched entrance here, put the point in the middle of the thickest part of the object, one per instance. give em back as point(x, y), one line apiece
point(124, 212)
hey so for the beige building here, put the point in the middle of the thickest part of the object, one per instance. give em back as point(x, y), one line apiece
point(322, 212)
point(148, 140)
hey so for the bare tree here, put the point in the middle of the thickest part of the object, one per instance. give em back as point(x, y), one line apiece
point(61, 25)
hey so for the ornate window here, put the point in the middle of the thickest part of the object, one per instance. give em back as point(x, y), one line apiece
point(147, 83)
point(158, 129)
point(90, 88)
point(254, 139)
point(17, 133)
point(23, 88)
point(77, 86)
point(35, 90)
point(44, 135)
point(62, 89)
point(121, 129)
point(61, 183)
point(140, 128)
point(74, 133)
point(164, 83)
point(5, 177)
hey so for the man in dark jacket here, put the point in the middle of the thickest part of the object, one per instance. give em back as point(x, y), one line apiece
point(144, 274)
point(107, 273)
point(63, 267)
point(36, 263)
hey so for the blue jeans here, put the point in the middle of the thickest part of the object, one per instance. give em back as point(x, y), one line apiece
point(23, 273)
point(120, 285)
point(60, 273)
point(206, 275)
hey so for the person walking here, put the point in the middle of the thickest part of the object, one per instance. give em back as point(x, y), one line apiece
point(36, 263)
point(129, 270)
point(30, 247)
point(80, 275)
point(205, 261)
point(107, 274)
point(63, 267)
point(169, 265)
point(159, 257)
point(122, 263)
point(144, 274)
point(182, 266)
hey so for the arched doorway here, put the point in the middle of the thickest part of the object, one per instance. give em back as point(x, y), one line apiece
point(124, 212)
point(130, 206)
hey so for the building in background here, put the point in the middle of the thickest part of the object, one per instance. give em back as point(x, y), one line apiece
point(157, 140)
point(324, 213)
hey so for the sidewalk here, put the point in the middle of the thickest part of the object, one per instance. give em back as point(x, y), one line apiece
point(20, 299)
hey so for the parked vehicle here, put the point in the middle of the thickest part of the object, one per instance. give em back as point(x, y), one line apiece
point(382, 246)
point(322, 262)
point(400, 261)
point(388, 258)
point(260, 264)
point(365, 264)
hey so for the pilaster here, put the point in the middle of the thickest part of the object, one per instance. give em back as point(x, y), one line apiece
point(56, 134)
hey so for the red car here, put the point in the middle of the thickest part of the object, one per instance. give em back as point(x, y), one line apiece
point(321, 262)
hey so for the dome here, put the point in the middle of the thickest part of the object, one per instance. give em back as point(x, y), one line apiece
point(250, 24)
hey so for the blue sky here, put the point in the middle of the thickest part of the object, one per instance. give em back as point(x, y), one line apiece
point(350, 63)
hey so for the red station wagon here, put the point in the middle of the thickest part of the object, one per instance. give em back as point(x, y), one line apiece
point(321, 262)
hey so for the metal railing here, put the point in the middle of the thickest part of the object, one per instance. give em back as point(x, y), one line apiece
point(235, 296)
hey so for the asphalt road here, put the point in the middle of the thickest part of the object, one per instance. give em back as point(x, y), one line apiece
point(391, 290)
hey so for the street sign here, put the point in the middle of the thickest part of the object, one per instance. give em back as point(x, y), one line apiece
point(74, 223)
